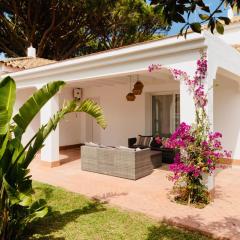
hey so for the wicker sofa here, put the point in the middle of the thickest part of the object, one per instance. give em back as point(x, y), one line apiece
point(122, 163)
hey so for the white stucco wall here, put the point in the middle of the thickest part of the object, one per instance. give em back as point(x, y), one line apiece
point(227, 114)
point(69, 127)
point(125, 119)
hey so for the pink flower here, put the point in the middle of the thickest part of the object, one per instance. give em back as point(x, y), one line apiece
point(198, 148)
point(154, 67)
point(228, 154)
point(209, 161)
point(196, 174)
point(158, 140)
point(205, 144)
point(215, 135)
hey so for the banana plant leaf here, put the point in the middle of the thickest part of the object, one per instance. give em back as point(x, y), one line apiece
point(7, 100)
point(33, 105)
point(17, 205)
point(88, 106)
point(16, 197)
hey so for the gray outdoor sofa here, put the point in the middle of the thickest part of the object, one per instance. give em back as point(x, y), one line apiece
point(122, 163)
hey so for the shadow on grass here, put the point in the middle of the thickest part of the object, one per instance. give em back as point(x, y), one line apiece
point(105, 197)
point(167, 232)
point(45, 228)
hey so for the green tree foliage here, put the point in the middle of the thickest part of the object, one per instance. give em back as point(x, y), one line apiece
point(18, 207)
point(61, 29)
point(180, 11)
point(121, 22)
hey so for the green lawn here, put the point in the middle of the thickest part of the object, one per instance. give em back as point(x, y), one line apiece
point(73, 216)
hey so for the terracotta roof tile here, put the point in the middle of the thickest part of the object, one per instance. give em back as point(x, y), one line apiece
point(26, 62)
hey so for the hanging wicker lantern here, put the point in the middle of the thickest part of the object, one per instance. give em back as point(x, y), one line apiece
point(137, 91)
point(138, 87)
point(130, 97)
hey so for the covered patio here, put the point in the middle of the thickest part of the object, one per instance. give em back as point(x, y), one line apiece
point(105, 77)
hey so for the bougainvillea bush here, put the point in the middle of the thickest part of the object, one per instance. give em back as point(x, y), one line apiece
point(198, 147)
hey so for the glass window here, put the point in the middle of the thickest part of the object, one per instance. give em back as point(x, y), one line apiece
point(165, 114)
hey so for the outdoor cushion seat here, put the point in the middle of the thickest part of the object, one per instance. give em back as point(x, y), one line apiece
point(168, 154)
point(141, 142)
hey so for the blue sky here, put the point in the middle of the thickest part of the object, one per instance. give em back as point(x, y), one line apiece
point(177, 26)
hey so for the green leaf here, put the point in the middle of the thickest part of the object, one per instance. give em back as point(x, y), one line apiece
point(179, 18)
point(33, 105)
point(196, 27)
point(204, 16)
point(235, 9)
point(25, 200)
point(219, 27)
point(93, 109)
point(39, 204)
point(4, 145)
point(7, 100)
point(211, 25)
point(16, 197)
point(38, 209)
point(11, 192)
point(40, 213)
point(226, 20)
point(206, 9)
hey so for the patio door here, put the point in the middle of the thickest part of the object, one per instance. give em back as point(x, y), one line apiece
point(92, 128)
point(165, 114)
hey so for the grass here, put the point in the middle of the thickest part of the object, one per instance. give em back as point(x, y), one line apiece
point(75, 217)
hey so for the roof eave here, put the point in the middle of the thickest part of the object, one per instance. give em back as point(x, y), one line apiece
point(131, 53)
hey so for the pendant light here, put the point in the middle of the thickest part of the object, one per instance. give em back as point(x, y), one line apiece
point(138, 87)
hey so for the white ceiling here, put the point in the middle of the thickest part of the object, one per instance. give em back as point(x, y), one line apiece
point(163, 76)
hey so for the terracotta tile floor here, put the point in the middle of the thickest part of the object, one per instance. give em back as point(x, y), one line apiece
point(149, 195)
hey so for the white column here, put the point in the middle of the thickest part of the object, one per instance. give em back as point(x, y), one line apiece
point(50, 151)
point(187, 109)
point(209, 86)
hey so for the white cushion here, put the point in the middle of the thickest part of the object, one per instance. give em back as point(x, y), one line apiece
point(91, 144)
point(123, 147)
point(126, 148)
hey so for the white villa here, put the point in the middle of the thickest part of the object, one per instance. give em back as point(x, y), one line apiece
point(106, 77)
